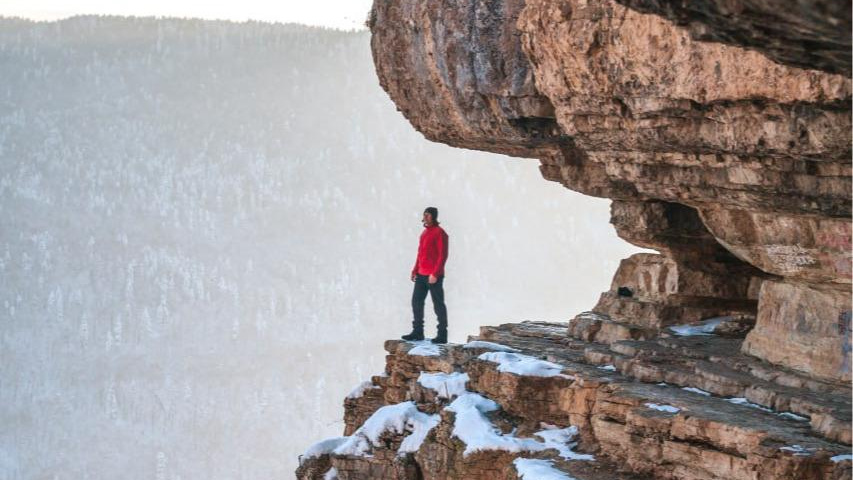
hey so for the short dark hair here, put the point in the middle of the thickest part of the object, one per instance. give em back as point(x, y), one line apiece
point(432, 211)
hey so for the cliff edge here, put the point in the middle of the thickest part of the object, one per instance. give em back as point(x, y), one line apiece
point(722, 132)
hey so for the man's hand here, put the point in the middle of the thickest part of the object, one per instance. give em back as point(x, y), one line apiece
point(413, 276)
point(432, 279)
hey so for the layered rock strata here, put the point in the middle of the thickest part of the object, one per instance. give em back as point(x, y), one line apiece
point(722, 133)
point(669, 408)
point(806, 34)
point(734, 166)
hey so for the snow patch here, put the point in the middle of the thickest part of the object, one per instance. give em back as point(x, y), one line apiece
point(697, 390)
point(788, 415)
point(331, 474)
point(425, 348)
point(447, 385)
point(792, 416)
point(523, 365)
point(474, 428)
point(609, 368)
point(562, 440)
point(358, 391)
point(497, 347)
point(663, 408)
point(798, 450)
point(400, 418)
point(534, 469)
point(706, 327)
point(743, 401)
point(324, 447)
point(841, 458)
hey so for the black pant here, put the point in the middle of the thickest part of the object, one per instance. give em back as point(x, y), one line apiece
point(436, 291)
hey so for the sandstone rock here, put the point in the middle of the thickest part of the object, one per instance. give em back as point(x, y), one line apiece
point(734, 167)
point(735, 326)
point(361, 404)
point(457, 72)
point(714, 364)
point(807, 34)
point(803, 328)
point(663, 292)
point(805, 248)
point(654, 431)
point(648, 115)
point(598, 327)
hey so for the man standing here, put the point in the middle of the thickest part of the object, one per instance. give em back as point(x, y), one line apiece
point(428, 275)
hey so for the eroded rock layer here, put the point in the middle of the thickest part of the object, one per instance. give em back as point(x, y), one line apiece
point(806, 33)
point(722, 132)
point(617, 103)
point(730, 157)
point(669, 408)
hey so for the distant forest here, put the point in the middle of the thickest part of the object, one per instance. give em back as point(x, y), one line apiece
point(206, 230)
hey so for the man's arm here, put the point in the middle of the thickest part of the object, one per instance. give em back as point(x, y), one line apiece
point(415, 268)
point(442, 244)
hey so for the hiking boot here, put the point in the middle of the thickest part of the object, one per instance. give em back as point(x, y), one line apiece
point(414, 336)
point(440, 339)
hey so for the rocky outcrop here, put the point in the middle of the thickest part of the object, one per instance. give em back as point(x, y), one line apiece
point(619, 104)
point(815, 324)
point(732, 165)
point(670, 408)
point(806, 34)
point(722, 133)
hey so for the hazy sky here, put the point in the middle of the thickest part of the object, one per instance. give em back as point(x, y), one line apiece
point(343, 14)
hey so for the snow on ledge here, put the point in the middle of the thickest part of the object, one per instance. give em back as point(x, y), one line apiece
point(663, 408)
point(495, 347)
point(562, 439)
point(425, 348)
point(474, 428)
point(793, 416)
point(534, 469)
point(323, 447)
point(400, 418)
point(745, 402)
point(705, 327)
point(446, 385)
point(798, 450)
point(788, 415)
point(841, 458)
point(359, 390)
point(697, 390)
point(524, 365)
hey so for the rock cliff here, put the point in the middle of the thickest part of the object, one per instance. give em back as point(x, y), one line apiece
point(722, 132)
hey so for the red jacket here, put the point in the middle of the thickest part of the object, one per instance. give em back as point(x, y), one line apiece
point(432, 252)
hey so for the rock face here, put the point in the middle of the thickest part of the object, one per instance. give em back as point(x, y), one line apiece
point(722, 132)
point(815, 324)
point(591, 411)
point(734, 166)
point(806, 34)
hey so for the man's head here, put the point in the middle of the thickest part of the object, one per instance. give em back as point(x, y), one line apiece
point(430, 216)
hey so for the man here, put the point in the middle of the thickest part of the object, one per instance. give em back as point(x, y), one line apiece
point(428, 275)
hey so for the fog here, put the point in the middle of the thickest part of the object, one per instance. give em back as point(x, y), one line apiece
point(206, 233)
